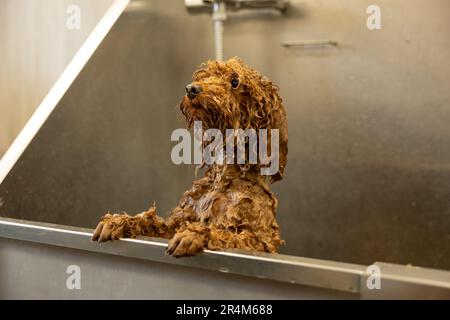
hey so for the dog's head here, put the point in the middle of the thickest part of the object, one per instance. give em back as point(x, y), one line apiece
point(230, 95)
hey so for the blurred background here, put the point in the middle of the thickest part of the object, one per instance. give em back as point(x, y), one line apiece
point(368, 175)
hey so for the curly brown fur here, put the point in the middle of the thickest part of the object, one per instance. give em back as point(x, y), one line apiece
point(231, 206)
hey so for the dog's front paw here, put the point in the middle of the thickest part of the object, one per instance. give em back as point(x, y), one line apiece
point(110, 227)
point(185, 243)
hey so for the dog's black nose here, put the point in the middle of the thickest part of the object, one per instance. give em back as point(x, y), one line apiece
point(193, 90)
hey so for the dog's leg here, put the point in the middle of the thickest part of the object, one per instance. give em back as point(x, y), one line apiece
point(113, 227)
point(196, 237)
point(264, 240)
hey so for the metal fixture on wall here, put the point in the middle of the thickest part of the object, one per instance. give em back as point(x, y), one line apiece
point(219, 14)
point(309, 43)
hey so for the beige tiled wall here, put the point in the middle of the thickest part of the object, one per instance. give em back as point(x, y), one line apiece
point(35, 47)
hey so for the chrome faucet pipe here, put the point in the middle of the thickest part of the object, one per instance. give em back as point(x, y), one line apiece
point(219, 14)
point(218, 17)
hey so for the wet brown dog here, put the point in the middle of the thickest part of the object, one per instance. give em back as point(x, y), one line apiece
point(231, 206)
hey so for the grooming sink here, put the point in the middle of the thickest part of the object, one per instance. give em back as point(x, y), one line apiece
point(364, 212)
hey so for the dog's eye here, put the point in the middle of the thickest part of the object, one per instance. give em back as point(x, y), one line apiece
point(234, 83)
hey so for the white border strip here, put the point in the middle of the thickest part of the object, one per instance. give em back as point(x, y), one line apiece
point(60, 88)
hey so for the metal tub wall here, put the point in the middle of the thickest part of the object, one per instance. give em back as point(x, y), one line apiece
point(137, 269)
point(367, 177)
point(112, 277)
point(34, 255)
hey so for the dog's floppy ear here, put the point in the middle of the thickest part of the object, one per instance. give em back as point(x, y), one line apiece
point(272, 102)
point(280, 123)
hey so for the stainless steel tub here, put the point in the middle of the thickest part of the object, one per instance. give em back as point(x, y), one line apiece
point(367, 176)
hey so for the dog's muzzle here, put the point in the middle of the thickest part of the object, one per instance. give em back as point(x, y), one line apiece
point(192, 90)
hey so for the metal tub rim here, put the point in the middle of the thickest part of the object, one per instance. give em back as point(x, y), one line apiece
point(398, 281)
